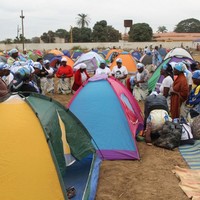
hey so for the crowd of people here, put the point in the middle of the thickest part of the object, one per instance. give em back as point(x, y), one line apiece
point(180, 86)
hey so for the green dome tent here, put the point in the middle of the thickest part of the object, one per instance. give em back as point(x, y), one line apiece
point(33, 153)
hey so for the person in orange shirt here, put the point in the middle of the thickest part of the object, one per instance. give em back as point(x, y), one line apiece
point(64, 74)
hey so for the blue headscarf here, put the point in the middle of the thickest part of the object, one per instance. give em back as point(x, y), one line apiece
point(164, 66)
point(196, 74)
point(180, 67)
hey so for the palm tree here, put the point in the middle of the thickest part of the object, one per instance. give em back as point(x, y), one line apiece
point(83, 20)
point(162, 29)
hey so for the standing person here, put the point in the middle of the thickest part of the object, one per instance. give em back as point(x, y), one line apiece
point(156, 57)
point(140, 90)
point(4, 91)
point(80, 77)
point(13, 56)
point(49, 76)
point(167, 82)
point(119, 71)
point(43, 79)
point(188, 74)
point(180, 90)
point(64, 74)
point(6, 74)
point(103, 69)
point(36, 75)
point(162, 51)
point(193, 101)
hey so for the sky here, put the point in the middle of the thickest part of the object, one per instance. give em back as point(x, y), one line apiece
point(44, 15)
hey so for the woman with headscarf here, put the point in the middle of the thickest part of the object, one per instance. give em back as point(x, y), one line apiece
point(140, 90)
point(193, 101)
point(13, 56)
point(180, 90)
point(22, 82)
point(80, 77)
point(49, 77)
point(103, 69)
point(64, 74)
point(167, 82)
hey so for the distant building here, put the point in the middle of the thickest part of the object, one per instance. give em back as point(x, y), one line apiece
point(57, 40)
point(175, 37)
point(125, 36)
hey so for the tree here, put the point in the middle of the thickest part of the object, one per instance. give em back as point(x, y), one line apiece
point(16, 40)
point(20, 39)
point(104, 33)
point(86, 34)
point(162, 29)
point(99, 31)
point(8, 41)
point(140, 32)
point(188, 26)
point(35, 40)
point(48, 37)
point(62, 33)
point(83, 20)
point(81, 34)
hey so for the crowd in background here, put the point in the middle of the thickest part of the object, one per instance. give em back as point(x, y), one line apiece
point(180, 86)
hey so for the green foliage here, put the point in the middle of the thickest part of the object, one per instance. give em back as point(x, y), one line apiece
point(188, 26)
point(113, 35)
point(104, 33)
point(162, 29)
point(8, 41)
point(20, 39)
point(83, 20)
point(99, 31)
point(48, 37)
point(61, 33)
point(81, 34)
point(85, 35)
point(140, 32)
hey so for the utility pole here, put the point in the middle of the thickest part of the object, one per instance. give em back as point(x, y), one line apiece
point(71, 35)
point(22, 16)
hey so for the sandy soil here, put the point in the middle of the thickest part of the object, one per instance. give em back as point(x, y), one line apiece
point(150, 178)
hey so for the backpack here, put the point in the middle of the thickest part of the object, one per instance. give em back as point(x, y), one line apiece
point(169, 136)
point(196, 128)
point(186, 136)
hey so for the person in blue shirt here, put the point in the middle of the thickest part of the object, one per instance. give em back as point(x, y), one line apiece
point(193, 101)
point(156, 57)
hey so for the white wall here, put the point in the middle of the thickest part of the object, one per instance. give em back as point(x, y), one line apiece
point(121, 44)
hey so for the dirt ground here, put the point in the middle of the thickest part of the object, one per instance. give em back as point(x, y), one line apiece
point(149, 178)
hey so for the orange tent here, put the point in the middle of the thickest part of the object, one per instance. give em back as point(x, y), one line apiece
point(56, 52)
point(111, 53)
point(128, 61)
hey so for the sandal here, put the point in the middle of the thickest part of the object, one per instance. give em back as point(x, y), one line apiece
point(71, 192)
